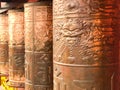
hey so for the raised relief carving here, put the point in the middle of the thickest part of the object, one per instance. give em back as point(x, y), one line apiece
point(3, 36)
point(57, 72)
point(84, 7)
point(84, 37)
point(18, 34)
point(43, 38)
point(88, 36)
point(28, 66)
point(40, 13)
point(19, 16)
point(18, 61)
point(28, 36)
point(29, 14)
point(59, 7)
point(4, 44)
point(16, 48)
point(59, 83)
point(3, 54)
point(16, 29)
point(43, 69)
point(38, 42)
point(75, 27)
point(17, 67)
point(72, 6)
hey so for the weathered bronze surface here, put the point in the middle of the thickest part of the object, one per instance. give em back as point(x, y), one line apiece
point(4, 44)
point(16, 27)
point(16, 48)
point(38, 46)
point(85, 44)
point(117, 81)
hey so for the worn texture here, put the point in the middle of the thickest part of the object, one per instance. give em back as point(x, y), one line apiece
point(16, 48)
point(38, 46)
point(4, 44)
point(85, 44)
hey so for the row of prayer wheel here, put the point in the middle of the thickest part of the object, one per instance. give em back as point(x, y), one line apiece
point(80, 51)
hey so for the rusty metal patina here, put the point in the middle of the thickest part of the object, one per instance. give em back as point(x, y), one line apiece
point(16, 48)
point(38, 46)
point(4, 44)
point(84, 44)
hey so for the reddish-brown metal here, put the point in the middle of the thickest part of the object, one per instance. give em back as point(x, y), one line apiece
point(38, 46)
point(118, 83)
point(16, 48)
point(85, 49)
point(4, 44)
point(32, 0)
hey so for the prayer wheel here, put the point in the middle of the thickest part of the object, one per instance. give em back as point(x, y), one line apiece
point(4, 44)
point(118, 87)
point(85, 44)
point(16, 48)
point(38, 46)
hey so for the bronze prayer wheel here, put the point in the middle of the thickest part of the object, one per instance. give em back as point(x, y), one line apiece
point(4, 44)
point(117, 81)
point(16, 27)
point(38, 46)
point(84, 44)
point(16, 48)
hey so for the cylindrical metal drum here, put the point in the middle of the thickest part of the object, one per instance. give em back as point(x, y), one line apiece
point(16, 48)
point(84, 44)
point(4, 44)
point(38, 46)
point(118, 84)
